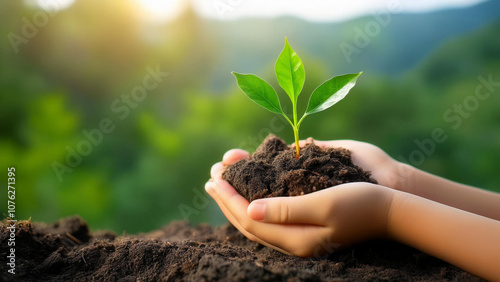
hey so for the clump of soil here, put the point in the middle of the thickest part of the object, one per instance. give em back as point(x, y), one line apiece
point(67, 251)
point(273, 170)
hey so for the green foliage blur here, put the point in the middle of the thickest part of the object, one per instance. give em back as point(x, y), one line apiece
point(87, 61)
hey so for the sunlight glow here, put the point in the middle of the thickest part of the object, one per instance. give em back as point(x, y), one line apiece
point(162, 10)
point(53, 5)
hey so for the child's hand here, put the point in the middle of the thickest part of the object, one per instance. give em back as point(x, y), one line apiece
point(308, 225)
point(400, 176)
point(447, 220)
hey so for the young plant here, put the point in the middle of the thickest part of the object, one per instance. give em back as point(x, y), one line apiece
point(291, 75)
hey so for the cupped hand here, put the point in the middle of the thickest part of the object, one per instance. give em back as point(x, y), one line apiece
point(308, 225)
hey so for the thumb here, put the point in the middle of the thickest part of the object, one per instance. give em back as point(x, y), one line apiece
point(289, 210)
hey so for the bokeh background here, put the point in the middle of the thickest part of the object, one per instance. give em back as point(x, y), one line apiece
point(65, 68)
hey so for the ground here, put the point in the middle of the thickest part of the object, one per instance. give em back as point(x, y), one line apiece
point(67, 251)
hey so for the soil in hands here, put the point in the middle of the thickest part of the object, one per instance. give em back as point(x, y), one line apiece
point(67, 251)
point(273, 170)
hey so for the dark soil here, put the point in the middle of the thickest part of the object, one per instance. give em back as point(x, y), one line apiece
point(67, 251)
point(273, 170)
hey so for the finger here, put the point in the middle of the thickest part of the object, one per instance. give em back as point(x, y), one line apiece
point(210, 188)
point(216, 170)
point(234, 155)
point(291, 210)
point(231, 199)
point(348, 144)
point(297, 239)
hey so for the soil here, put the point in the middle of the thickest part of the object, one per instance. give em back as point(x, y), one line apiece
point(67, 251)
point(273, 170)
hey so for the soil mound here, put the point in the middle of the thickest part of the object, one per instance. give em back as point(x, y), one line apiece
point(67, 251)
point(273, 170)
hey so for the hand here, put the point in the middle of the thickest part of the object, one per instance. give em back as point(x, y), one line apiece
point(386, 170)
point(308, 225)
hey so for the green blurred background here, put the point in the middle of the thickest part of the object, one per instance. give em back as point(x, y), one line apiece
point(73, 68)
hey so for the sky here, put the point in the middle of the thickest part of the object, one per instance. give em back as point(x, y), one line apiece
point(318, 10)
point(311, 10)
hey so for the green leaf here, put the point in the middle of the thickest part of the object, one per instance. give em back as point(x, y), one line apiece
point(259, 91)
point(330, 92)
point(290, 72)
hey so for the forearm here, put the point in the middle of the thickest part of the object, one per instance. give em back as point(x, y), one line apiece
point(464, 239)
point(450, 193)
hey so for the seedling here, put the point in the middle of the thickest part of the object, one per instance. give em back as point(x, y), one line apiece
point(291, 76)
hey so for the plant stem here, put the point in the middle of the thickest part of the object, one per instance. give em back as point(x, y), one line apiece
point(297, 147)
point(296, 131)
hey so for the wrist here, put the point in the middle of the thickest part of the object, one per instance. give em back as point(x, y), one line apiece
point(397, 200)
point(376, 210)
point(403, 177)
point(387, 199)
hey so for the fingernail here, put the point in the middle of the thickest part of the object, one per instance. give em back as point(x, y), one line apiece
point(257, 210)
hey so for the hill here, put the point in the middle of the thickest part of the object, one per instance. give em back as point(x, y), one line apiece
point(389, 43)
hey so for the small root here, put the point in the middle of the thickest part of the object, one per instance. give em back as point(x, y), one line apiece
point(72, 238)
